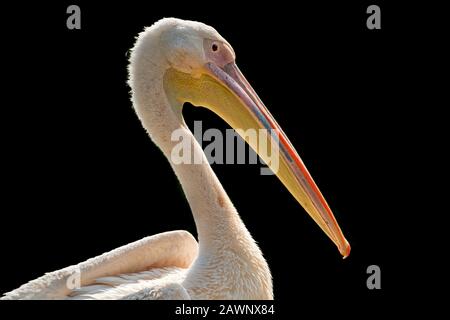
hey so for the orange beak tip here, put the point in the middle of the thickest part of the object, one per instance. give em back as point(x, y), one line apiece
point(346, 249)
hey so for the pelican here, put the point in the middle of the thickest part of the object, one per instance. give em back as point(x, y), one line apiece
point(173, 62)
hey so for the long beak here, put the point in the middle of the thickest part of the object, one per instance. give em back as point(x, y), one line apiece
point(226, 92)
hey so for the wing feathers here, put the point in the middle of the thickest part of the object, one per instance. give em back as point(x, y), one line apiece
point(169, 249)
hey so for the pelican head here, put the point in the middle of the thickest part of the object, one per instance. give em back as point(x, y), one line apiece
point(190, 46)
point(197, 65)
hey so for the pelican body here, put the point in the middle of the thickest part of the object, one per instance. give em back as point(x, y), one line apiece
point(173, 62)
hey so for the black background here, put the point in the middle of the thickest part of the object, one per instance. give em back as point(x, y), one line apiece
point(81, 177)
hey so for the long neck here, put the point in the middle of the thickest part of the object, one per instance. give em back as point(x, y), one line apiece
point(215, 216)
point(221, 232)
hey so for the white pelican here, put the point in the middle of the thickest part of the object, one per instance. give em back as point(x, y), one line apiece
point(173, 62)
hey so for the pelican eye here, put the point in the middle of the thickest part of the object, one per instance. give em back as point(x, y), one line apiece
point(215, 47)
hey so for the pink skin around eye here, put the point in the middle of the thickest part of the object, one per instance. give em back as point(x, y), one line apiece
point(218, 52)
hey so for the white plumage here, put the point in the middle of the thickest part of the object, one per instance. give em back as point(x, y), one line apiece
point(118, 273)
point(162, 266)
point(173, 62)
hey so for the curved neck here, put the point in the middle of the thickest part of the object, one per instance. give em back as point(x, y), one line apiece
point(215, 217)
point(225, 243)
